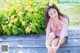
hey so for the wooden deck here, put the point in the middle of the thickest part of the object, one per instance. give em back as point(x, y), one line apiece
point(36, 43)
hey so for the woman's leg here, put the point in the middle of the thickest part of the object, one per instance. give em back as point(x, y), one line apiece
point(55, 42)
point(50, 39)
point(63, 41)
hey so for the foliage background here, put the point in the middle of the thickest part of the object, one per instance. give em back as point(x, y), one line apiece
point(28, 17)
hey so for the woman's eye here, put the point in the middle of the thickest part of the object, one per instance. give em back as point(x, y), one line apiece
point(54, 11)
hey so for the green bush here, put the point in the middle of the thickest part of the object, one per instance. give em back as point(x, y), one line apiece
point(26, 16)
point(22, 17)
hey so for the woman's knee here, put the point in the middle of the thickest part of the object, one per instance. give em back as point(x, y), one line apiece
point(63, 40)
point(52, 35)
point(55, 42)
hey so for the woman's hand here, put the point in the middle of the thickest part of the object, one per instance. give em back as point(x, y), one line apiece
point(55, 49)
point(49, 47)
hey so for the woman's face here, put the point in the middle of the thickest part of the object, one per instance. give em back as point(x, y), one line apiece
point(53, 13)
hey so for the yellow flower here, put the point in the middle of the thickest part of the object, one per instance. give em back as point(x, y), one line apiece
point(45, 0)
point(20, 14)
point(15, 19)
point(18, 10)
point(10, 10)
point(19, 6)
point(9, 24)
point(12, 17)
point(31, 10)
point(50, 4)
point(27, 4)
point(12, 21)
point(27, 29)
point(18, 1)
point(3, 27)
point(28, 7)
point(24, 23)
point(6, 6)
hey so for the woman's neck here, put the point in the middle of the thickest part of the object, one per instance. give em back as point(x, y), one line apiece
point(56, 21)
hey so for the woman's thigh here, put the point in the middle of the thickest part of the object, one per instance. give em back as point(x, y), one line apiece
point(56, 41)
point(63, 41)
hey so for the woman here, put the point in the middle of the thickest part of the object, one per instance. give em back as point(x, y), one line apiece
point(56, 28)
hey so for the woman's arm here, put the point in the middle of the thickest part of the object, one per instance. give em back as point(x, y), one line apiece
point(64, 32)
point(48, 30)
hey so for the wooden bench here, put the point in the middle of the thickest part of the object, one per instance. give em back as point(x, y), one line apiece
point(36, 43)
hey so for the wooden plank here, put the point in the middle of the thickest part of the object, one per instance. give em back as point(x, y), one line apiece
point(72, 43)
point(60, 50)
point(22, 37)
point(26, 50)
point(39, 43)
point(43, 50)
point(75, 50)
point(68, 50)
point(74, 34)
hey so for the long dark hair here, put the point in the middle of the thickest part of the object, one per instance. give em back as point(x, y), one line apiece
point(55, 7)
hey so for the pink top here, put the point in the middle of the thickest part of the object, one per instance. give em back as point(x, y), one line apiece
point(61, 30)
